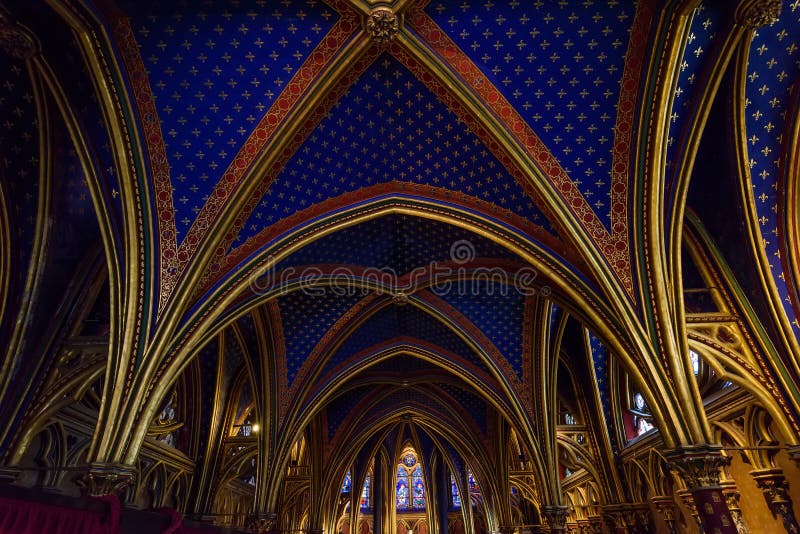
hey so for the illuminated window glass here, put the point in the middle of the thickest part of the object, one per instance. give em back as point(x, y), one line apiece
point(454, 498)
point(365, 493)
point(695, 362)
point(401, 490)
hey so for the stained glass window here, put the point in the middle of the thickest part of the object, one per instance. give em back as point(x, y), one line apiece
point(410, 484)
point(347, 484)
point(365, 493)
point(402, 489)
point(454, 498)
point(419, 490)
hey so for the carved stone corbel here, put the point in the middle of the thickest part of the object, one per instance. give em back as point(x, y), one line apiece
point(776, 492)
point(106, 479)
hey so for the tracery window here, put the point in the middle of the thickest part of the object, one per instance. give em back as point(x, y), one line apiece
point(365, 495)
point(410, 484)
point(641, 414)
point(455, 500)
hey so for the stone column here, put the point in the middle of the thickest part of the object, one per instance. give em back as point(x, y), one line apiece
point(700, 467)
point(556, 517)
point(106, 479)
point(776, 492)
point(732, 495)
point(665, 505)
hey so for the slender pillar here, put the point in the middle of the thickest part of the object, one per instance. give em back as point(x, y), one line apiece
point(776, 492)
point(443, 496)
point(556, 517)
point(732, 495)
point(377, 496)
point(700, 467)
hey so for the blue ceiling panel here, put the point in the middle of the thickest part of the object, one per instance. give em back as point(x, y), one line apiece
point(306, 316)
point(471, 403)
point(497, 310)
point(215, 69)
point(600, 358)
point(560, 65)
point(396, 244)
point(707, 20)
point(388, 126)
point(773, 70)
point(342, 406)
point(19, 158)
point(395, 321)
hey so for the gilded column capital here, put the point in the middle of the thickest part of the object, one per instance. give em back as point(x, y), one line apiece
point(757, 13)
point(107, 479)
point(699, 466)
point(556, 516)
point(383, 24)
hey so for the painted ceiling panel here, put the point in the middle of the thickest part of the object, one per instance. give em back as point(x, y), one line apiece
point(207, 358)
point(600, 359)
point(306, 316)
point(19, 158)
point(395, 244)
point(75, 80)
point(74, 200)
point(388, 126)
point(497, 309)
point(707, 20)
point(773, 69)
point(402, 366)
point(471, 403)
point(559, 64)
point(214, 71)
point(395, 321)
point(342, 406)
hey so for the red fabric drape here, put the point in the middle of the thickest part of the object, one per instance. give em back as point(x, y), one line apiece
point(24, 517)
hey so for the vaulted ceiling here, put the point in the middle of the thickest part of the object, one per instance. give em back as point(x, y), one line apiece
point(390, 226)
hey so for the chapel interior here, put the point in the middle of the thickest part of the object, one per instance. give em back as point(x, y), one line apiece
point(400, 267)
